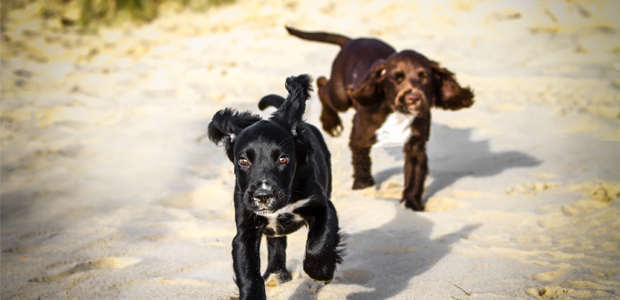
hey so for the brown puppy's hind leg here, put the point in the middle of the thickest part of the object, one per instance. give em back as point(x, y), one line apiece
point(329, 117)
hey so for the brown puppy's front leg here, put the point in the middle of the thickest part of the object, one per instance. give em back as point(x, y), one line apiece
point(366, 122)
point(416, 162)
point(362, 173)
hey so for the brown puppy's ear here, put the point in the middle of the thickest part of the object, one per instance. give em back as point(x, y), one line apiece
point(448, 93)
point(368, 90)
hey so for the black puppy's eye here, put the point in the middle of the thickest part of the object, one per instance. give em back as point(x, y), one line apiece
point(399, 76)
point(244, 161)
point(422, 75)
point(283, 159)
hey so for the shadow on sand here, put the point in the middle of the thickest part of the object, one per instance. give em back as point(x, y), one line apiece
point(384, 260)
point(452, 155)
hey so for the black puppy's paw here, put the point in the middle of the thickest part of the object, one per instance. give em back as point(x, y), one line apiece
point(320, 269)
point(276, 277)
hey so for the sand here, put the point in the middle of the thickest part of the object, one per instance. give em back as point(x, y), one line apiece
point(107, 194)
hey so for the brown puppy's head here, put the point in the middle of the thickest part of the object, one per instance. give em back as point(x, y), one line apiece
point(412, 84)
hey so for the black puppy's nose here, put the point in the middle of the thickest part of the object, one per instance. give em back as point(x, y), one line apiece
point(263, 195)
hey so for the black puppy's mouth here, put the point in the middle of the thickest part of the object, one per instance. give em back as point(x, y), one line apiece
point(264, 212)
point(263, 204)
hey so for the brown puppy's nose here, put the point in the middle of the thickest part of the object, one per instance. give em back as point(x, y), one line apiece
point(412, 98)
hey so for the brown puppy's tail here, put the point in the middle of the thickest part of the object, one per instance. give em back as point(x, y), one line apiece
point(324, 37)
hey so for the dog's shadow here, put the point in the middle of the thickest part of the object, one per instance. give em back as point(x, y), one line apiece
point(452, 155)
point(384, 260)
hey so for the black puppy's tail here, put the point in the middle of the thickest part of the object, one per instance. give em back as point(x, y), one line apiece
point(270, 100)
point(325, 37)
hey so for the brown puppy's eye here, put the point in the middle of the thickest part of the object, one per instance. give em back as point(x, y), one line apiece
point(422, 75)
point(244, 161)
point(283, 159)
point(399, 76)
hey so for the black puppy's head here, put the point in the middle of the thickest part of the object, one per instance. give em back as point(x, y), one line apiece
point(265, 153)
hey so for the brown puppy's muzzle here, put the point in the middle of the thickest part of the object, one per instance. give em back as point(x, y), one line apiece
point(410, 102)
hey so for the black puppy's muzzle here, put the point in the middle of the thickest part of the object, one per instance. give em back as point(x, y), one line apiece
point(263, 197)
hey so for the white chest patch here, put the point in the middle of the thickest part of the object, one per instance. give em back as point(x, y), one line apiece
point(394, 131)
point(272, 218)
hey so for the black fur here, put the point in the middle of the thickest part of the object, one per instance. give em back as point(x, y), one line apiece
point(270, 100)
point(278, 163)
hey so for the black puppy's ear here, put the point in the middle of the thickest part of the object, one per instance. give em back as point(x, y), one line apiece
point(291, 111)
point(370, 89)
point(226, 125)
point(448, 93)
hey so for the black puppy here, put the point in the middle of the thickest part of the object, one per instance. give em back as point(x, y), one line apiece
point(283, 181)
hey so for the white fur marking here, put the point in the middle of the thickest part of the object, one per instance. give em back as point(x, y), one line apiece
point(272, 217)
point(394, 131)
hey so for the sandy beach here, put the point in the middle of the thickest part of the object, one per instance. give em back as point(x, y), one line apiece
point(108, 192)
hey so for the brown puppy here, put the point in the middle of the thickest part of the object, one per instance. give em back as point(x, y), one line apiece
point(377, 81)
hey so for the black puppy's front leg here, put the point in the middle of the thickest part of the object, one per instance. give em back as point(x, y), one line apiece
point(246, 257)
point(322, 253)
point(276, 247)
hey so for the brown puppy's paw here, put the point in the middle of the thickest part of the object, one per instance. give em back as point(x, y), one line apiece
point(333, 131)
point(321, 82)
point(363, 183)
point(413, 204)
point(331, 122)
